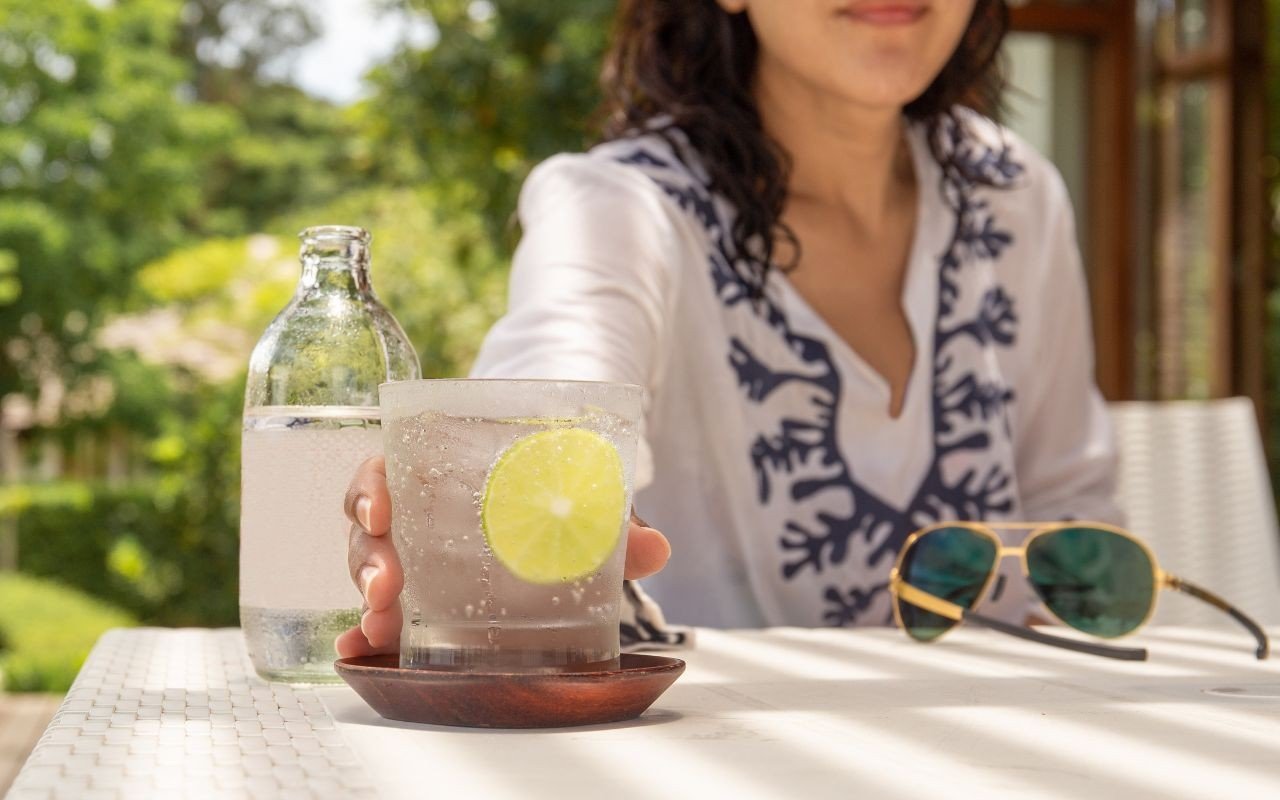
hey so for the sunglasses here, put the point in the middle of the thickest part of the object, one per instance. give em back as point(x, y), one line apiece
point(1096, 578)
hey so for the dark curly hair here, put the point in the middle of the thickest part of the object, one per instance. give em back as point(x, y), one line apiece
point(676, 65)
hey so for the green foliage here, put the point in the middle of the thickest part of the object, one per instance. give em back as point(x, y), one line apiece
point(101, 161)
point(219, 284)
point(295, 152)
point(493, 97)
point(139, 547)
point(230, 41)
point(115, 149)
point(166, 550)
point(102, 166)
point(46, 631)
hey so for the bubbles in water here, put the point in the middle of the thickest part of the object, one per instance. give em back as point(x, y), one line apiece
point(449, 511)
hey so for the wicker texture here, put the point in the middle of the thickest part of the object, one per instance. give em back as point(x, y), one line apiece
point(180, 714)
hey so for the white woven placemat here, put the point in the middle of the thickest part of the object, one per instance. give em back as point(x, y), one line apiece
point(180, 713)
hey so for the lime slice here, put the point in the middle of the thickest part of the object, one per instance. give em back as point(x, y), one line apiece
point(553, 505)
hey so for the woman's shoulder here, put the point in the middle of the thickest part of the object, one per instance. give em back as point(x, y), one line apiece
point(1003, 160)
point(648, 160)
point(645, 175)
point(1015, 201)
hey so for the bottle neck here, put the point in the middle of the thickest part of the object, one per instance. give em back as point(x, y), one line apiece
point(335, 265)
point(335, 275)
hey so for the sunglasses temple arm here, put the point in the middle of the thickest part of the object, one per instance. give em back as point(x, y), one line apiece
point(945, 608)
point(1181, 585)
point(1033, 635)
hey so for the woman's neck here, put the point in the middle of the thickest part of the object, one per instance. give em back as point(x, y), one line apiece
point(844, 156)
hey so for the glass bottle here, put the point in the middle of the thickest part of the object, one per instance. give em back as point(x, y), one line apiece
point(310, 417)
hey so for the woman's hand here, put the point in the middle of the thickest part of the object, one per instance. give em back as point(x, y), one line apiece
point(376, 569)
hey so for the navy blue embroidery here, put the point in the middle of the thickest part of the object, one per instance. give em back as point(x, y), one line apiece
point(845, 609)
point(968, 410)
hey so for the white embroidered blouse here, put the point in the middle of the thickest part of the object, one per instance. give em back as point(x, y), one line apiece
point(784, 485)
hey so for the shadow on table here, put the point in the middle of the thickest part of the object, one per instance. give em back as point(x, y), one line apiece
point(766, 721)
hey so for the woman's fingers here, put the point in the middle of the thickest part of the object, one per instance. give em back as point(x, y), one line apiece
point(381, 629)
point(368, 504)
point(375, 568)
point(353, 644)
point(647, 550)
point(373, 563)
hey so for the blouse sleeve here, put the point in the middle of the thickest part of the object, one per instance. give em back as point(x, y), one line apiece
point(591, 284)
point(1066, 455)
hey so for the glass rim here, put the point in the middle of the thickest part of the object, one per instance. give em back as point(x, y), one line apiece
point(524, 381)
point(336, 232)
point(532, 397)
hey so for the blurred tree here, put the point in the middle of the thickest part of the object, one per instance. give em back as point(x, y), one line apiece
point(108, 160)
point(101, 170)
point(230, 42)
point(507, 84)
point(293, 149)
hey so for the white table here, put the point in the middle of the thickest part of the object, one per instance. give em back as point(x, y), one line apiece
point(783, 713)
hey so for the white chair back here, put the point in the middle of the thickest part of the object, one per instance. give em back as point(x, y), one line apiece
point(1193, 481)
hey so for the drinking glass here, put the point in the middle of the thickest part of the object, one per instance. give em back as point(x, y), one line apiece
point(510, 506)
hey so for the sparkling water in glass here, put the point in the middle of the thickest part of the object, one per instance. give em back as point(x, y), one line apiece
point(462, 607)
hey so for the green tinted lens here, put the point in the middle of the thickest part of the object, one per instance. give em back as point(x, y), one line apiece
point(1095, 580)
point(951, 563)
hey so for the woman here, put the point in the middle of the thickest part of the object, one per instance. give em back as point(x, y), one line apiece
point(857, 306)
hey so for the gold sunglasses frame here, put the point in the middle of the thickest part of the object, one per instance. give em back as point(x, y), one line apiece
point(901, 591)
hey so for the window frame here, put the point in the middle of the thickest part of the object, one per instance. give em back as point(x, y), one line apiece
point(1108, 29)
point(1124, 179)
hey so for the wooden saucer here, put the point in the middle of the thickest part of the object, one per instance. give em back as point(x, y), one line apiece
point(510, 699)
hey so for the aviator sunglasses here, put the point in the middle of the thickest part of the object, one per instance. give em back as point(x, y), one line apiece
point(1096, 578)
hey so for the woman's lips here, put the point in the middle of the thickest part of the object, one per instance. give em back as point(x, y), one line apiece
point(884, 13)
